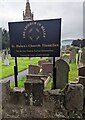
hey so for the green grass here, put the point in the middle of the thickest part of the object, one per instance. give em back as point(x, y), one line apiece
point(23, 63)
point(49, 85)
point(20, 83)
point(73, 74)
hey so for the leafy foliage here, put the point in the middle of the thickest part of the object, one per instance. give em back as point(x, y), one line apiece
point(5, 39)
point(78, 43)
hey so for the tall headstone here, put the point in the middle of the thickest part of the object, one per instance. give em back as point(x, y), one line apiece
point(62, 71)
point(79, 57)
point(82, 58)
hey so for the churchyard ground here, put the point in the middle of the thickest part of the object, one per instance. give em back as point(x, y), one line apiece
point(23, 63)
point(73, 74)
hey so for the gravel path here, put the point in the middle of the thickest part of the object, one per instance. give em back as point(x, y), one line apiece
point(20, 75)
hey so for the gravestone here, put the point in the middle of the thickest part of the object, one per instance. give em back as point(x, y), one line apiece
point(47, 68)
point(72, 56)
point(62, 70)
point(74, 97)
point(82, 58)
point(81, 71)
point(3, 56)
point(34, 90)
point(40, 62)
point(33, 69)
point(6, 62)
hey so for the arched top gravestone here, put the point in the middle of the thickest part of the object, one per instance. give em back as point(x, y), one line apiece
point(62, 71)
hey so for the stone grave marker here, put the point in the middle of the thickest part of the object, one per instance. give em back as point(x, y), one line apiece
point(79, 57)
point(62, 70)
point(6, 62)
point(3, 56)
point(72, 56)
point(74, 97)
point(47, 68)
point(34, 89)
point(33, 69)
point(82, 58)
point(40, 62)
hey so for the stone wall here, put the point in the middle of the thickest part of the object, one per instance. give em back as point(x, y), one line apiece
point(33, 102)
point(0, 101)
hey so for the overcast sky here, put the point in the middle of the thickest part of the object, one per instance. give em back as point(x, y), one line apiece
point(71, 13)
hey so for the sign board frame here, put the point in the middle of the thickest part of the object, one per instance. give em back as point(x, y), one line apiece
point(39, 38)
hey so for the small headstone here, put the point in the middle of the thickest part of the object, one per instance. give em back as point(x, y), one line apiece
point(62, 70)
point(33, 69)
point(47, 68)
point(72, 56)
point(6, 62)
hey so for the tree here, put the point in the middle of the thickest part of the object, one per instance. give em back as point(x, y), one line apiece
point(78, 43)
point(5, 39)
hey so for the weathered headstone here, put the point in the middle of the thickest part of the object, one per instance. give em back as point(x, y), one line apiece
point(72, 56)
point(47, 68)
point(79, 57)
point(33, 69)
point(40, 62)
point(62, 70)
point(74, 97)
point(36, 76)
point(5, 89)
point(82, 58)
point(42, 78)
point(34, 90)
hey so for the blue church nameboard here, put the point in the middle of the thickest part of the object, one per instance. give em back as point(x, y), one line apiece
point(39, 38)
